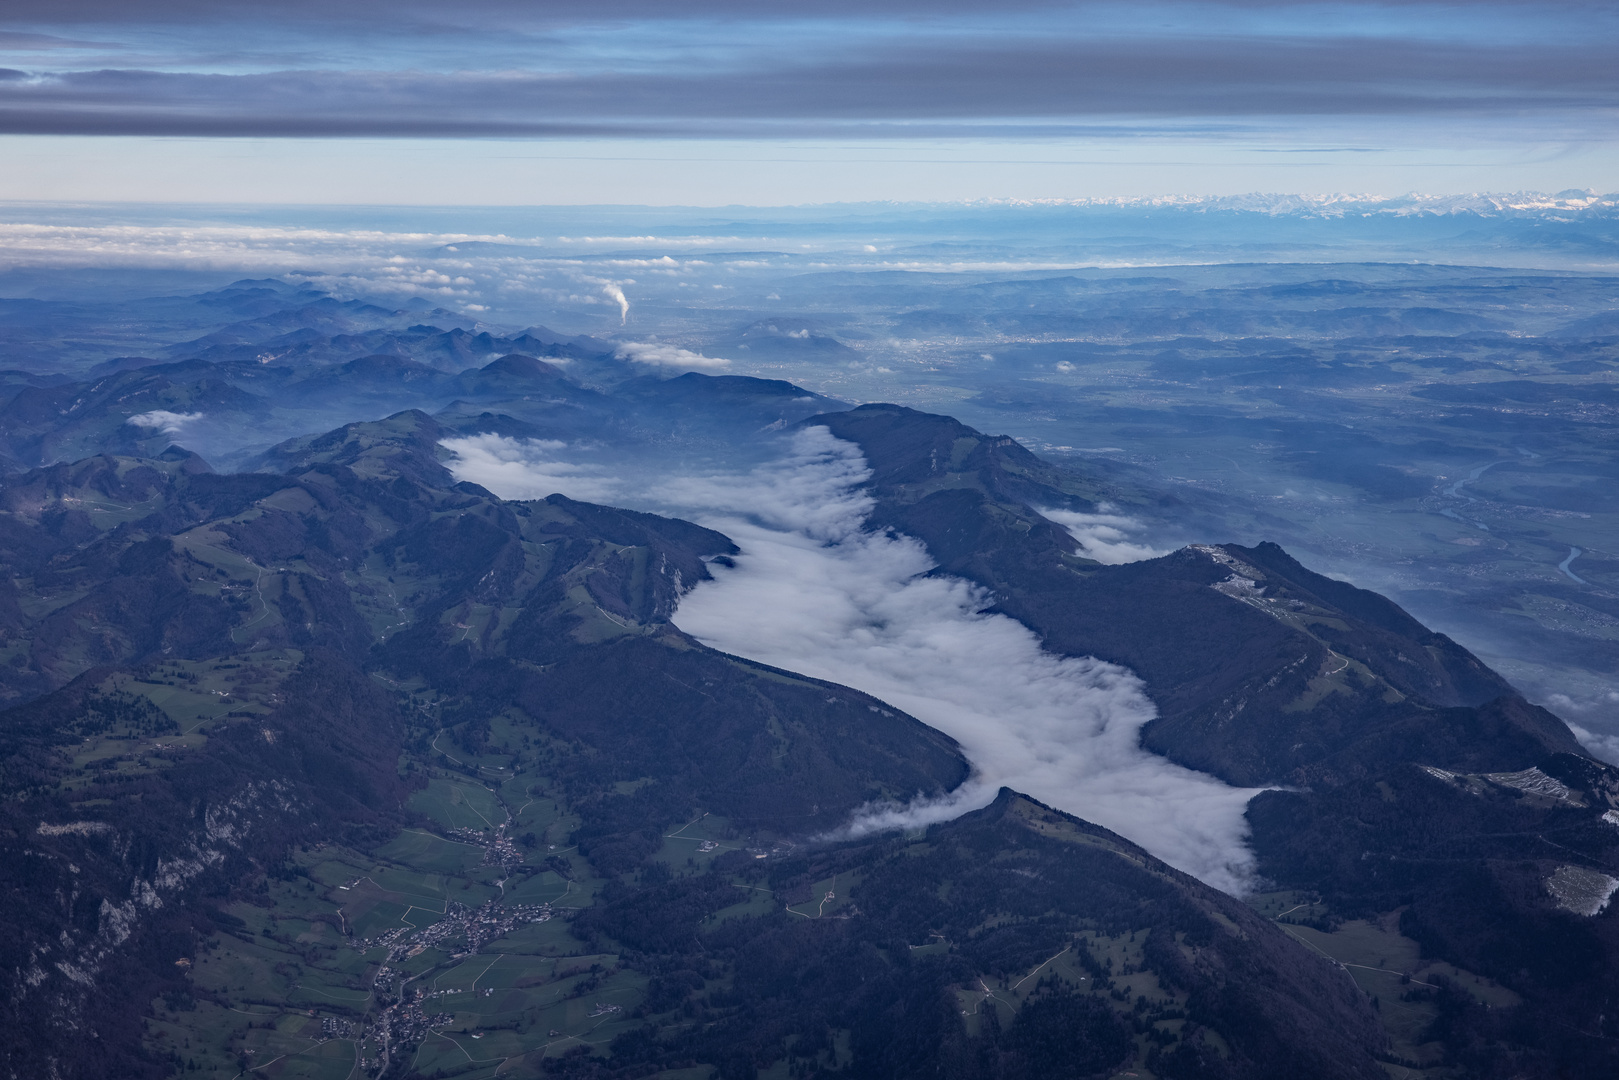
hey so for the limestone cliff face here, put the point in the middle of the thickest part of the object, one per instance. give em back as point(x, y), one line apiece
point(227, 832)
point(111, 883)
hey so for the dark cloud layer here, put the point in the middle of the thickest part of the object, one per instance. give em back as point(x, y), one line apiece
point(491, 13)
point(505, 12)
point(929, 76)
point(1032, 80)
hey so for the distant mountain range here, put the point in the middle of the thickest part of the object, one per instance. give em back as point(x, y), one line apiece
point(1562, 206)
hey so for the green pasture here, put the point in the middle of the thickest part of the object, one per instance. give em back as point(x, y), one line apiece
point(312, 992)
point(1390, 968)
point(549, 938)
point(458, 804)
point(421, 886)
point(502, 971)
point(513, 1023)
point(462, 1057)
point(531, 812)
point(426, 852)
point(298, 1053)
point(305, 932)
point(818, 906)
point(274, 998)
point(371, 908)
point(683, 843)
point(752, 901)
point(372, 917)
point(333, 866)
point(194, 692)
point(1375, 948)
point(546, 887)
point(203, 1035)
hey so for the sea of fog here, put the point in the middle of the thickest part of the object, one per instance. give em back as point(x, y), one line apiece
point(815, 590)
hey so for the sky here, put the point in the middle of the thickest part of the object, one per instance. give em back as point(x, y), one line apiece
point(759, 102)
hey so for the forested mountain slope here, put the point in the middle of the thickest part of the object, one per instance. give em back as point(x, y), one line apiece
point(292, 756)
point(1429, 809)
point(1262, 671)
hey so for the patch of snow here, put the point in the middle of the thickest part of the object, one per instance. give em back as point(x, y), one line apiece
point(1534, 782)
point(1530, 204)
point(1581, 891)
point(77, 828)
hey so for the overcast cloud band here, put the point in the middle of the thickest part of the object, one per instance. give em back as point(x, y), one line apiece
point(933, 84)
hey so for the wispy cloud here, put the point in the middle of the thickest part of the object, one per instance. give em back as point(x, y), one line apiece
point(528, 469)
point(1594, 709)
point(162, 420)
point(654, 354)
point(1105, 537)
point(1599, 744)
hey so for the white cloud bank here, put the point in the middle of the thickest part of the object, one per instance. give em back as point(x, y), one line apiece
point(1104, 537)
point(162, 420)
point(1602, 744)
point(669, 356)
point(527, 469)
point(814, 592)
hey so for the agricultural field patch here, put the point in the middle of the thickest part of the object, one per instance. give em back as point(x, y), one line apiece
point(457, 804)
point(1391, 970)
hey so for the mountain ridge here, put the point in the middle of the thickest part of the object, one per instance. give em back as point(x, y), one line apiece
point(485, 646)
point(1422, 793)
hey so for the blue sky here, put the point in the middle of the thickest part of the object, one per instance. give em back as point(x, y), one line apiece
point(725, 101)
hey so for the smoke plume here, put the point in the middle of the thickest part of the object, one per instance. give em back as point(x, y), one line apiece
point(615, 293)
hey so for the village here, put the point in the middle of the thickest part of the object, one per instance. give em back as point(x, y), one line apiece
point(407, 1020)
